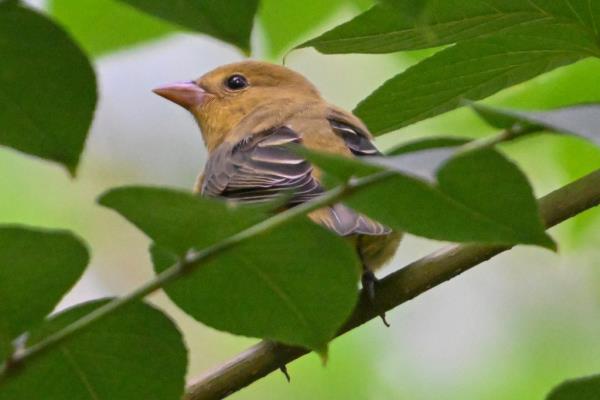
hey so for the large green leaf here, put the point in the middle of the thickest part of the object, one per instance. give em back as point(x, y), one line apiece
point(470, 70)
point(47, 88)
point(121, 25)
point(480, 197)
point(230, 21)
point(180, 220)
point(408, 25)
point(587, 388)
point(36, 269)
point(581, 120)
point(296, 284)
point(135, 353)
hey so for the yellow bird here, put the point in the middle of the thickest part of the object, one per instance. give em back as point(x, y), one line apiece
point(248, 112)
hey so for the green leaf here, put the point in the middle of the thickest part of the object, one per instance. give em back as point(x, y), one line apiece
point(47, 88)
point(296, 284)
point(409, 25)
point(230, 21)
point(587, 388)
point(489, 184)
point(480, 197)
point(469, 70)
point(180, 220)
point(285, 21)
point(122, 26)
point(581, 120)
point(134, 353)
point(36, 269)
point(271, 286)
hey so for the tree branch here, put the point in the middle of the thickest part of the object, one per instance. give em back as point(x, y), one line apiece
point(393, 290)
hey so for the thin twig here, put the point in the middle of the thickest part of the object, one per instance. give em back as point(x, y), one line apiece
point(187, 265)
point(393, 290)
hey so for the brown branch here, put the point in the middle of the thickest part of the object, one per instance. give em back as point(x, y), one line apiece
point(393, 290)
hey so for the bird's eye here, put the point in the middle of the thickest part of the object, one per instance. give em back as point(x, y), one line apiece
point(236, 82)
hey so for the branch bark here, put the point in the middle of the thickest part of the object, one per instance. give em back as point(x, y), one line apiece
point(393, 290)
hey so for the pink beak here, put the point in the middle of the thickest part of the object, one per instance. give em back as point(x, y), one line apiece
point(186, 94)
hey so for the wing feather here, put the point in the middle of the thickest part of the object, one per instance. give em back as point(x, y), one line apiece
point(261, 167)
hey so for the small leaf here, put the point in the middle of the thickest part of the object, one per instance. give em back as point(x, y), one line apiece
point(37, 268)
point(480, 197)
point(230, 21)
point(134, 353)
point(469, 70)
point(296, 284)
point(587, 388)
point(180, 220)
point(122, 26)
point(47, 88)
point(581, 119)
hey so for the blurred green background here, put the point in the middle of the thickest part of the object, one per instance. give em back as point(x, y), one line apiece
point(511, 328)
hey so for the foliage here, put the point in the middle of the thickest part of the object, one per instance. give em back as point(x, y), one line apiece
point(286, 279)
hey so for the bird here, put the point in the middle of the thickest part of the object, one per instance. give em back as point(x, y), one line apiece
point(249, 114)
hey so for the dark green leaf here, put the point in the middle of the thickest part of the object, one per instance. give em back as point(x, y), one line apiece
point(135, 353)
point(587, 388)
point(469, 70)
point(490, 185)
point(581, 120)
point(122, 26)
point(179, 220)
point(296, 284)
point(36, 269)
point(408, 25)
point(47, 88)
point(480, 197)
point(230, 21)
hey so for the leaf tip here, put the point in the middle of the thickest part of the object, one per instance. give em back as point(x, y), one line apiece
point(323, 353)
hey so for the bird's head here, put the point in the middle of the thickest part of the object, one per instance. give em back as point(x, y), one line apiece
point(221, 98)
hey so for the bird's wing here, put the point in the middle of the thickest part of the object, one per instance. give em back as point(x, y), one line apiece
point(261, 167)
point(357, 140)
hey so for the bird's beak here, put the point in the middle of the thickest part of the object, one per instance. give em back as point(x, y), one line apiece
point(186, 94)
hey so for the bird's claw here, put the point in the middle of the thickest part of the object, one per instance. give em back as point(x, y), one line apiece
point(369, 281)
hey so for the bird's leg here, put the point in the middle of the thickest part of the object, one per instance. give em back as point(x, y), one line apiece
point(369, 283)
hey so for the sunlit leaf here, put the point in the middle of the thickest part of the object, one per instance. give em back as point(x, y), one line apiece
point(37, 268)
point(285, 21)
point(122, 26)
point(47, 88)
point(134, 353)
point(230, 21)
